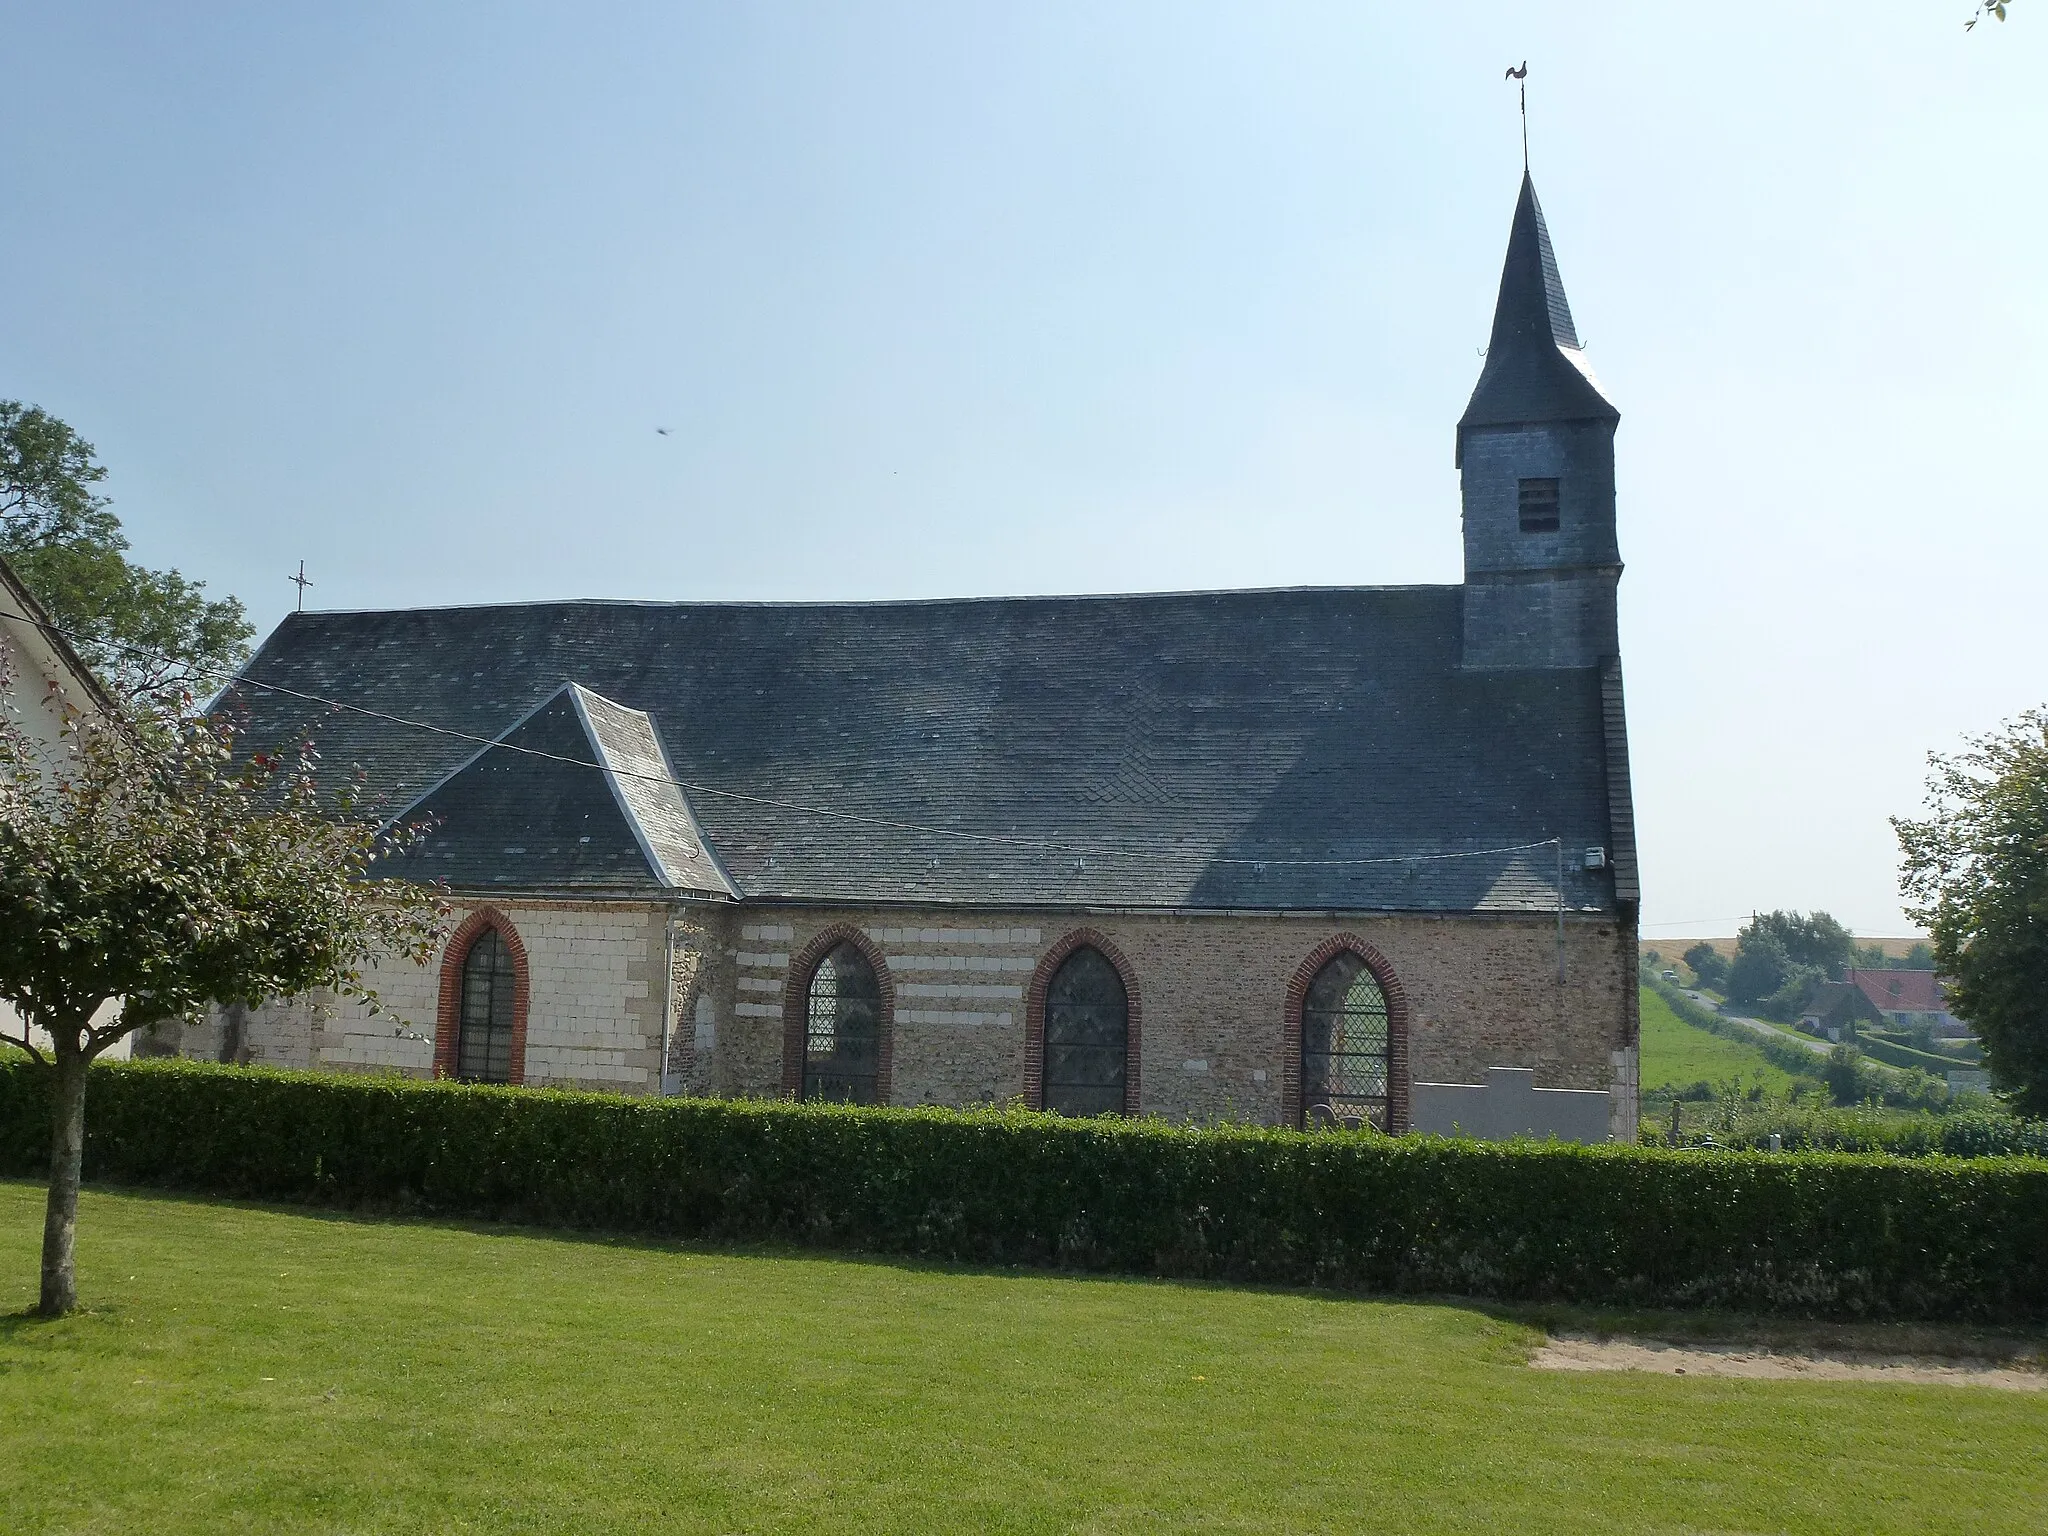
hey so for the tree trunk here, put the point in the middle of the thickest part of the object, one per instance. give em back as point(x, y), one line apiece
point(67, 1156)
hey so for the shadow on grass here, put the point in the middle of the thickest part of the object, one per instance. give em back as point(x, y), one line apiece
point(27, 1321)
point(28, 1326)
point(2017, 1344)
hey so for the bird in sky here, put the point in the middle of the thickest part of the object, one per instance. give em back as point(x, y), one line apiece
point(662, 430)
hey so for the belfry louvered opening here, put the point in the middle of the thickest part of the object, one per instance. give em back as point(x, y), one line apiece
point(1538, 505)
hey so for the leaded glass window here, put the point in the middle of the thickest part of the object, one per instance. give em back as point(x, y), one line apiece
point(1087, 1036)
point(1344, 1046)
point(843, 1028)
point(483, 1051)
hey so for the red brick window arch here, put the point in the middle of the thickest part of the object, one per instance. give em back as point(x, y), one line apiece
point(480, 1026)
point(838, 1020)
point(1081, 1018)
point(1345, 1057)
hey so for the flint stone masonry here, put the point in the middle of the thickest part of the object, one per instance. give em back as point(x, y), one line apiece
point(1482, 991)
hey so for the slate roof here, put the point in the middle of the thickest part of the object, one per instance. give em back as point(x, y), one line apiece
point(1535, 368)
point(1307, 749)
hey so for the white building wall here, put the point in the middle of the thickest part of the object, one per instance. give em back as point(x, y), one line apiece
point(596, 990)
point(596, 974)
point(43, 697)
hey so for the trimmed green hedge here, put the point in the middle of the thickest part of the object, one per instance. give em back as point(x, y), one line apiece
point(1893, 1054)
point(1812, 1234)
point(1898, 1133)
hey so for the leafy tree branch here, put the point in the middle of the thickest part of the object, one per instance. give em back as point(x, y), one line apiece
point(1976, 876)
point(154, 637)
point(167, 872)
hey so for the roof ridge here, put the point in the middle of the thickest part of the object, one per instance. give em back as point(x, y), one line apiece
point(866, 602)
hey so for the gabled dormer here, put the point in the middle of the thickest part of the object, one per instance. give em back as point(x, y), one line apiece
point(577, 795)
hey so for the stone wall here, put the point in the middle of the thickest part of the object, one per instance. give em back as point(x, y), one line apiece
point(610, 982)
point(597, 994)
point(1482, 992)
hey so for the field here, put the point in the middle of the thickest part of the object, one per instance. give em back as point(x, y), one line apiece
point(245, 1368)
point(1675, 1055)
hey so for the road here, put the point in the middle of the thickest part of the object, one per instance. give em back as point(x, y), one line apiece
point(1775, 1032)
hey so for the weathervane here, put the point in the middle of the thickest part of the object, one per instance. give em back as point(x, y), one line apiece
point(301, 581)
point(1522, 77)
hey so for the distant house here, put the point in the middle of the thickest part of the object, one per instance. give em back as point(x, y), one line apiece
point(1833, 1010)
point(1907, 999)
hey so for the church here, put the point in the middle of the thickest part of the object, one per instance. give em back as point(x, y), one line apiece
point(1315, 856)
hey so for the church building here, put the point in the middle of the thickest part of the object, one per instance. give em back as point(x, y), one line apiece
point(1351, 855)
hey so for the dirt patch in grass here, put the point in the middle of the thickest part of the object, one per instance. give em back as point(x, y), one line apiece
point(1760, 1363)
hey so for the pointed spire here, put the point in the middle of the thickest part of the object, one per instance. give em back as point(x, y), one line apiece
point(1535, 370)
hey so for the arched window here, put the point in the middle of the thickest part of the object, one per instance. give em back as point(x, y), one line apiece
point(843, 1028)
point(483, 1049)
point(1344, 1045)
point(1087, 1036)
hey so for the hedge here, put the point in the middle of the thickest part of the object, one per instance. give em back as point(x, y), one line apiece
point(1906, 1057)
point(1898, 1133)
point(1813, 1234)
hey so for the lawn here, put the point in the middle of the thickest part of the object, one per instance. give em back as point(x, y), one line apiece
point(251, 1369)
point(1675, 1054)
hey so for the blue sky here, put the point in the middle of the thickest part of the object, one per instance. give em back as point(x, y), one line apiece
point(944, 300)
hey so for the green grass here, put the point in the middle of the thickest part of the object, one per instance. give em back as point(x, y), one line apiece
point(1676, 1055)
point(251, 1369)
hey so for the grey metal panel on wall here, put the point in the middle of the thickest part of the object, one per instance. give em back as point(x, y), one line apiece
point(1509, 1104)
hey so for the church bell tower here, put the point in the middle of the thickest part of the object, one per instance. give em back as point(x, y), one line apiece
point(1536, 462)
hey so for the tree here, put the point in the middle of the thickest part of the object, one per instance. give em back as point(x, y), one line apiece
point(1814, 940)
point(150, 635)
point(165, 871)
point(1976, 876)
point(1708, 964)
point(1760, 968)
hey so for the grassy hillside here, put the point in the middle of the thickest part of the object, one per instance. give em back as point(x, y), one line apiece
point(1676, 1055)
point(242, 1369)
